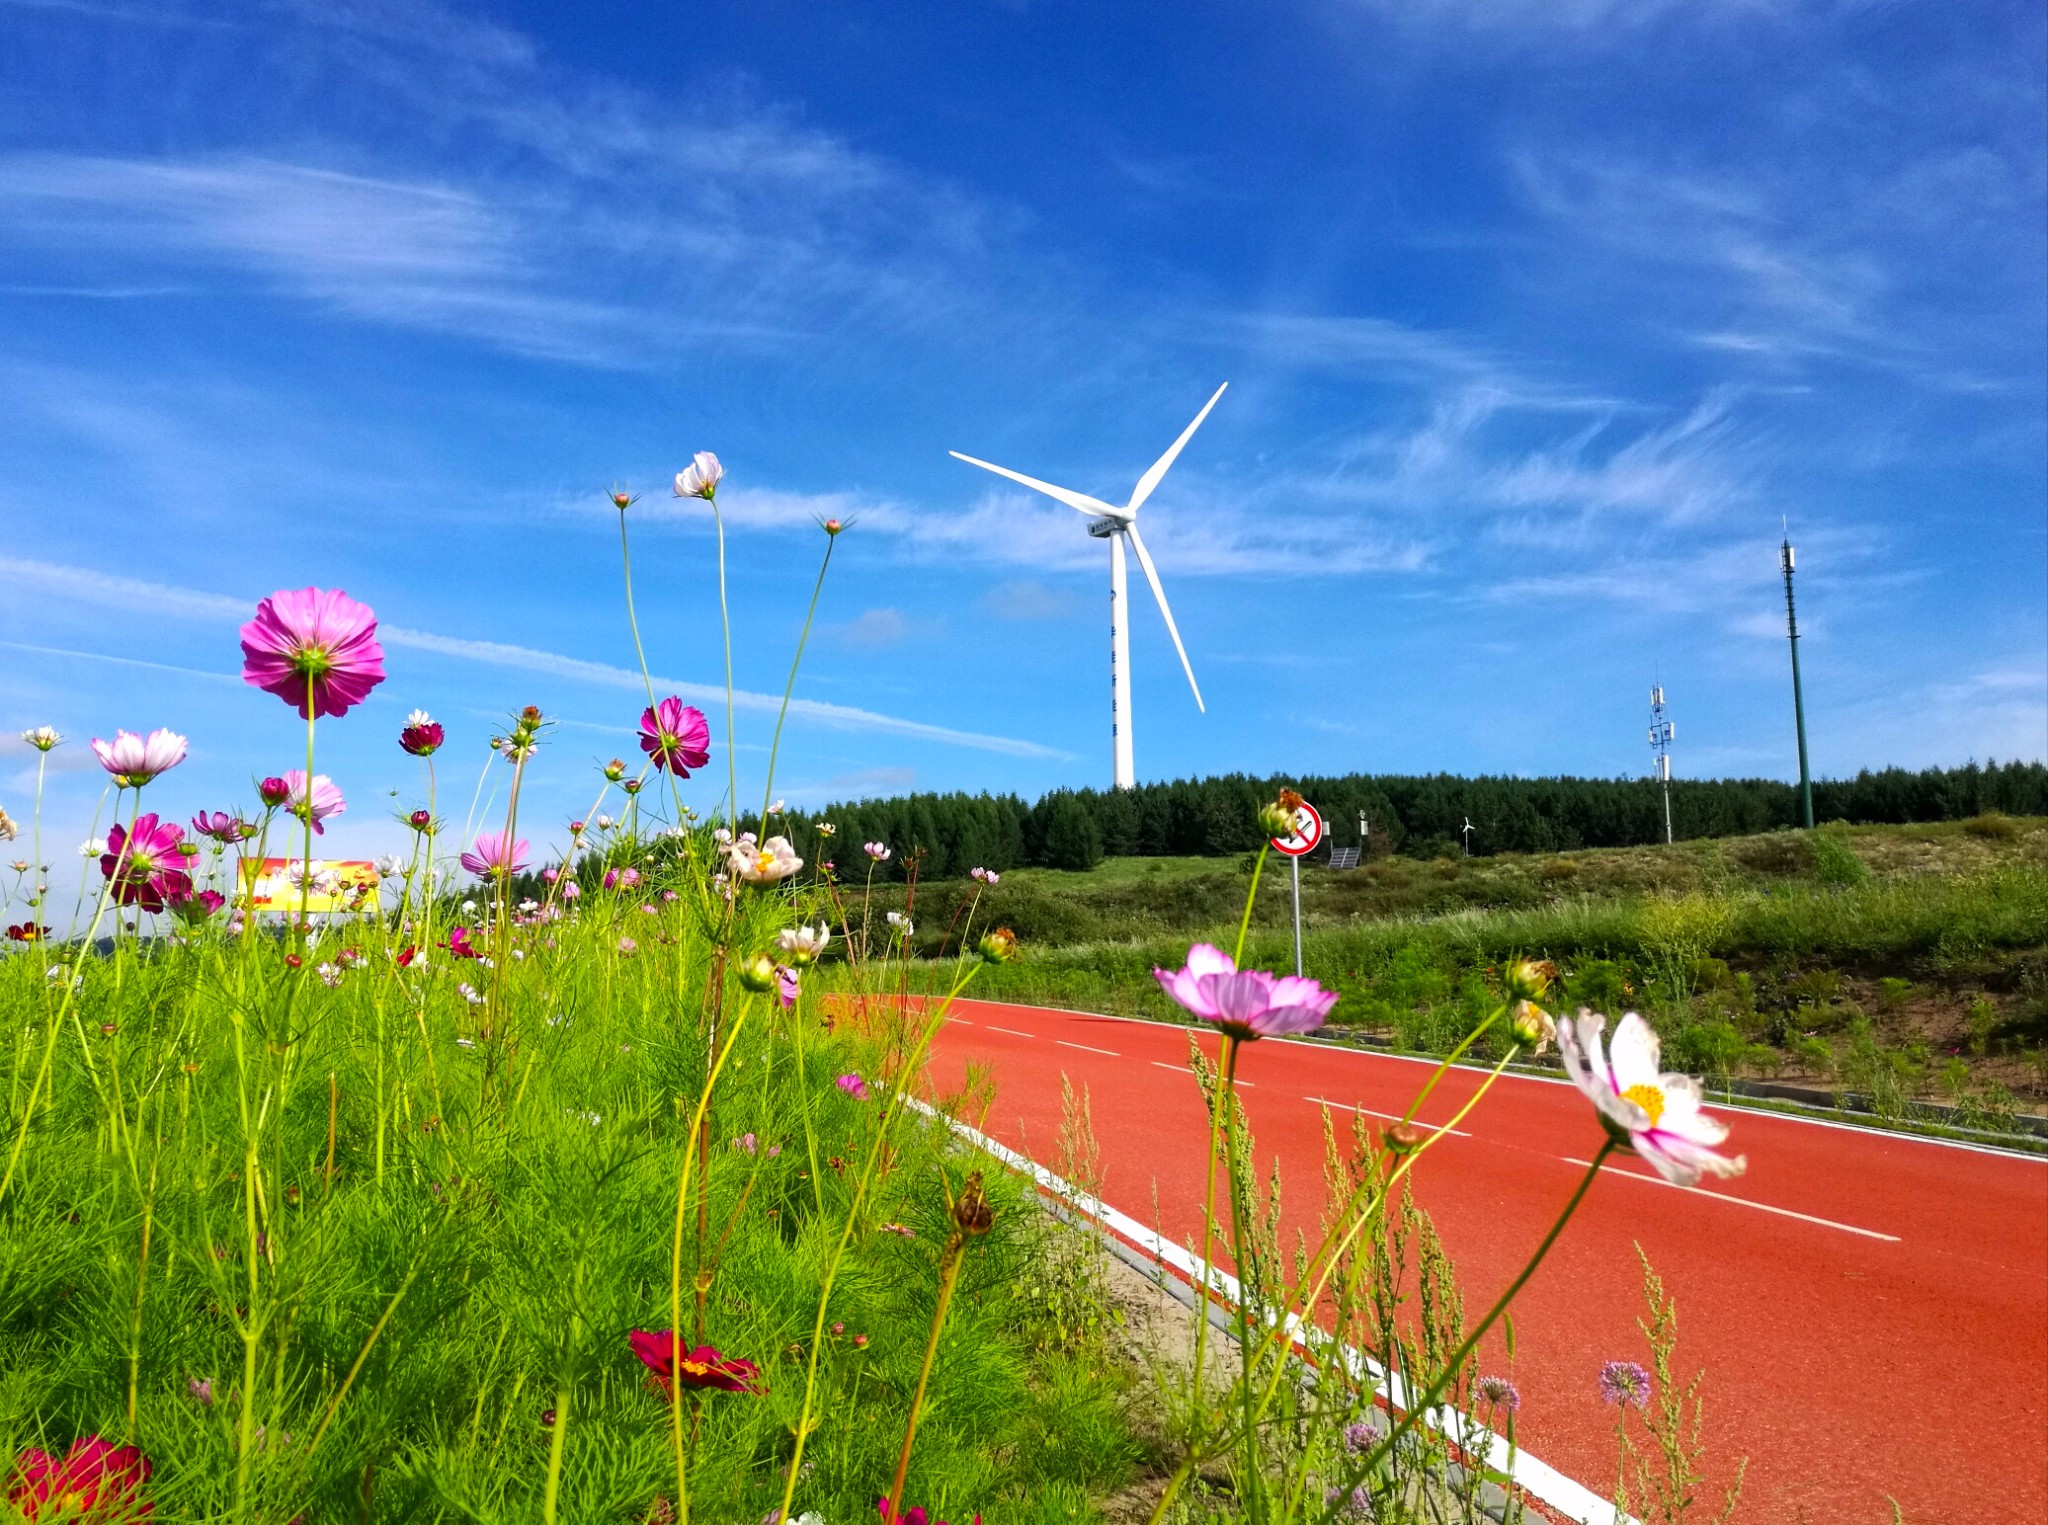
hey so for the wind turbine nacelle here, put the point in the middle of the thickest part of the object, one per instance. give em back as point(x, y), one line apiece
point(1102, 529)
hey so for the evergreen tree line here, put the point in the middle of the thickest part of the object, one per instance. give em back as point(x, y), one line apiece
point(1416, 816)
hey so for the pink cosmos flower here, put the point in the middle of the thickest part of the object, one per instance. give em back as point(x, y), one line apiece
point(92, 1481)
point(1655, 1116)
point(314, 648)
point(787, 986)
point(326, 798)
point(193, 909)
point(853, 1086)
point(1245, 1003)
point(460, 945)
point(676, 736)
point(495, 856)
point(221, 826)
point(143, 863)
point(134, 761)
point(422, 735)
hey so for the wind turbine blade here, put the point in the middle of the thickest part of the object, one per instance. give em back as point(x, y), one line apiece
point(1152, 577)
point(1080, 502)
point(1151, 478)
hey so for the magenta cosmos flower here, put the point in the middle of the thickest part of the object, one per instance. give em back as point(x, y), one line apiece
point(1245, 1003)
point(495, 856)
point(91, 1481)
point(675, 735)
point(134, 761)
point(143, 863)
point(1654, 1115)
point(326, 799)
point(315, 648)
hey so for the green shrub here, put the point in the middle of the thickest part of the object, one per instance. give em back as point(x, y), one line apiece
point(1992, 826)
point(1835, 862)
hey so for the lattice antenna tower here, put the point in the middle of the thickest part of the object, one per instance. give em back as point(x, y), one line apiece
point(1661, 732)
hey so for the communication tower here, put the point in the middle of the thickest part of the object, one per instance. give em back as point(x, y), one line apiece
point(1661, 732)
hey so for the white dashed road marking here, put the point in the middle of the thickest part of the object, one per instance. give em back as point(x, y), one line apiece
point(1720, 1196)
point(1011, 1031)
point(1088, 1047)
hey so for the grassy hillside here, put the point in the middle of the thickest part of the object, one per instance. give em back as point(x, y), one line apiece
point(1895, 961)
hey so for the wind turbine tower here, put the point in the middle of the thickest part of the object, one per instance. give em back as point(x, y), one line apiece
point(1118, 526)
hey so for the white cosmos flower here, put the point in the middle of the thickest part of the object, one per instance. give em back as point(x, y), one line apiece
point(802, 945)
point(900, 922)
point(701, 477)
point(92, 847)
point(1655, 1115)
point(388, 865)
point(42, 738)
point(769, 863)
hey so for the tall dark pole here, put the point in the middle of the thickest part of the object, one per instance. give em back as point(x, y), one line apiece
point(1798, 704)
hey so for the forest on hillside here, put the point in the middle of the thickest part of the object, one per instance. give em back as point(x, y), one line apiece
point(1415, 816)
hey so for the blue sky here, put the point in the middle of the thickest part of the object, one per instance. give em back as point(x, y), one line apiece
point(1537, 314)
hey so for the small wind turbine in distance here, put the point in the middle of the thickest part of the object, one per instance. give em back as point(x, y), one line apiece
point(1116, 525)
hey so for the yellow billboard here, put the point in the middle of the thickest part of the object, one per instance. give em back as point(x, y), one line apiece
point(338, 884)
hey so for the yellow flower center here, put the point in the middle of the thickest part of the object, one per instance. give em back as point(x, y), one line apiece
point(694, 1368)
point(1649, 1098)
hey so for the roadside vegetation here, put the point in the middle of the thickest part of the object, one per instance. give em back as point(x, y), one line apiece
point(480, 1188)
point(1902, 964)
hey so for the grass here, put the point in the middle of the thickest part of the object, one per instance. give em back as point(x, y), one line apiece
point(401, 1239)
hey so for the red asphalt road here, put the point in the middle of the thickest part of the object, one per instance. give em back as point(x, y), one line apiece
point(1845, 1367)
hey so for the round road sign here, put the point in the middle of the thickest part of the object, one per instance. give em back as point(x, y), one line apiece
point(1308, 833)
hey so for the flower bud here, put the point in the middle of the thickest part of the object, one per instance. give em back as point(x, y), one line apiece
point(273, 792)
point(833, 526)
point(1532, 1026)
point(758, 972)
point(1402, 1138)
point(971, 1214)
point(999, 946)
point(1525, 979)
point(420, 820)
point(1275, 820)
point(615, 770)
point(631, 786)
point(623, 501)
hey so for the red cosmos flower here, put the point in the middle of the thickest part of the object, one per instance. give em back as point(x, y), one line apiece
point(423, 734)
point(93, 1481)
point(406, 957)
point(143, 863)
point(676, 736)
point(703, 1367)
point(314, 648)
point(27, 932)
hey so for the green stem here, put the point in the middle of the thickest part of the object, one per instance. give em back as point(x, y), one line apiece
point(897, 1093)
point(626, 555)
point(306, 806)
point(1418, 1407)
point(1253, 1477)
point(956, 1251)
point(557, 1443)
point(732, 756)
point(774, 746)
point(1245, 925)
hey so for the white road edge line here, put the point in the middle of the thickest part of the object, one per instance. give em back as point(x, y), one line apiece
point(1722, 1196)
point(961, 1020)
point(1391, 1117)
point(1538, 1479)
point(1089, 1047)
point(1011, 1031)
point(1181, 1069)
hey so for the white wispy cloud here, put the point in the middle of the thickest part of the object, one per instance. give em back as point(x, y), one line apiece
point(84, 586)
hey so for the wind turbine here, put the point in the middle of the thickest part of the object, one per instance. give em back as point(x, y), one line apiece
point(1116, 525)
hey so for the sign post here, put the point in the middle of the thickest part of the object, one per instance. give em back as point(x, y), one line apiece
point(1308, 831)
